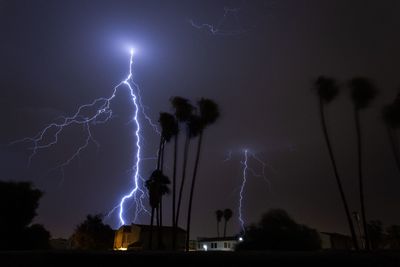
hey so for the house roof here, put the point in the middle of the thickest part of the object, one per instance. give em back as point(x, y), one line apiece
point(147, 227)
point(211, 239)
point(335, 234)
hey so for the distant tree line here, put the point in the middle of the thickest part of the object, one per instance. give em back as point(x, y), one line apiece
point(278, 231)
point(18, 204)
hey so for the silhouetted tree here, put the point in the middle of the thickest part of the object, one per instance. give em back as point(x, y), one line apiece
point(278, 231)
point(391, 117)
point(227, 216)
point(362, 93)
point(37, 237)
point(153, 189)
point(157, 186)
point(169, 130)
point(376, 234)
point(327, 89)
point(218, 214)
point(393, 236)
point(183, 112)
point(209, 113)
point(18, 204)
point(93, 234)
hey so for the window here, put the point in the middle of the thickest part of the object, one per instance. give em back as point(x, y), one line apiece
point(229, 245)
point(225, 245)
point(215, 245)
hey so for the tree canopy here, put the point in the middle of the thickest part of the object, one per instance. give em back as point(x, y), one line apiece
point(18, 204)
point(278, 231)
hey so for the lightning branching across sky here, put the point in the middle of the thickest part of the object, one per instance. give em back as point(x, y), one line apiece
point(97, 112)
point(245, 167)
point(220, 28)
point(247, 172)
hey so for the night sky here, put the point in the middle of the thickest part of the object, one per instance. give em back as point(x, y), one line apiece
point(57, 55)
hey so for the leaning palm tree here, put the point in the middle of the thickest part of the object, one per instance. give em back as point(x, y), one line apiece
point(209, 113)
point(391, 118)
point(227, 216)
point(169, 129)
point(183, 111)
point(219, 214)
point(327, 89)
point(362, 93)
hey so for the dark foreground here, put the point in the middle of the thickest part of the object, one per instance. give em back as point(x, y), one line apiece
point(205, 259)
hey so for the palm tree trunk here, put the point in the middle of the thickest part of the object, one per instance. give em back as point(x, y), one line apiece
point(360, 179)
point(226, 222)
point(196, 165)
point(160, 234)
point(338, 181)
point(185, 158)
point(151, 229)
point(174, 192)
point(394, 144)
point(217, 228)
point(162, 156)
point(159, 153)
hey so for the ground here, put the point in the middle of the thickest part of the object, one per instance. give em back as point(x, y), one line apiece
point(80, 258)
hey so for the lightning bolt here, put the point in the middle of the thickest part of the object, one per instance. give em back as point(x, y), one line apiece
point(248, 158)
point(217, 29)
point(244, 180)
point(100, 112)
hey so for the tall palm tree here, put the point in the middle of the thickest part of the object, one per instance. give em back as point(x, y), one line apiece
point(170, 129)
point(327, 89)
point(227, 216)
point(209, 113)
point(219, 214)
point(391, 117)
point(183, 111)
point(362, 93)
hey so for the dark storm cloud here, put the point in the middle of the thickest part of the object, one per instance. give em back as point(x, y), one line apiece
point(56, 55)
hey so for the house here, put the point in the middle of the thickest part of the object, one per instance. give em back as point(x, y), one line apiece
point(335, 241)
point(137, 237)
point(217, 243)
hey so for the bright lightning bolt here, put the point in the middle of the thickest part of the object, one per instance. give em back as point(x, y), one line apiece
point(102, 113)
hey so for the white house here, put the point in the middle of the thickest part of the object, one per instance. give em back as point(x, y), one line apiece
point(217, 243)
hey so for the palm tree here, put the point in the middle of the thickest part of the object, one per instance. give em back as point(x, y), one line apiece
point(183, 111)
point(154, 199)
point(391, 117)
point(327, 89)
point(169, 129)
point(209, 113)
point(227, 216)
point(362, 93)
point(157, 185)
point(219, 214)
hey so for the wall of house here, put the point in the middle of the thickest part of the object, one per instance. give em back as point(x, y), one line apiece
point(228, 245)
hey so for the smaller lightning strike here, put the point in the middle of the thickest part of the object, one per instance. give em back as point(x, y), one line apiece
point(217, 29)
point(247, 172)
point(245, 167)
